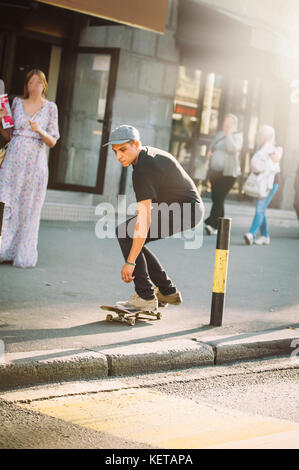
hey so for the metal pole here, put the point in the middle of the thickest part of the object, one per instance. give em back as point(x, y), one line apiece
point(1, 219)
point(220, 271)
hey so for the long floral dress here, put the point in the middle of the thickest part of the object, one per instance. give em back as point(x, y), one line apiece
point(23, 184)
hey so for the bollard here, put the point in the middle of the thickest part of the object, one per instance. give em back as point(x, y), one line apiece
point(220, 271)
point(1, 218)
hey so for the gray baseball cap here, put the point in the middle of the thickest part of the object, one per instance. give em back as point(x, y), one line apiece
point(123, 134)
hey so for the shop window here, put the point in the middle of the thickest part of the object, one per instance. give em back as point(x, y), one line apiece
point(82, 138)
point(185, 113)
point(243, 100)
point(202, 100)
point(197, 110)
point(78, 162)
point(211, 105)
point(237, 99)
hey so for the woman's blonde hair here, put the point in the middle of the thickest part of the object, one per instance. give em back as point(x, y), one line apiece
point(234, 118)
point(42, 78)
point(269, 133)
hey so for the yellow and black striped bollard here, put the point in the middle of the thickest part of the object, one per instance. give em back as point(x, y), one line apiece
point(220, 271)
point(1, 219)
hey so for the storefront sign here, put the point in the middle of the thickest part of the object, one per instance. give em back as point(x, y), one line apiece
point(180, 109)
point(150, 15)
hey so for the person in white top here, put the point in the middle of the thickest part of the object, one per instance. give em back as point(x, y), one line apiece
point(224, 168)
point(265, 162)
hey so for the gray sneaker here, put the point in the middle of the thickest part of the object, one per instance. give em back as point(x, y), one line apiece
point(248, 237)
point(173, 299)
point(137, 303)
point(210, 230)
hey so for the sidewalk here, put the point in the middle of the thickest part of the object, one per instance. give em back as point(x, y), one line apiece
point(53, 329)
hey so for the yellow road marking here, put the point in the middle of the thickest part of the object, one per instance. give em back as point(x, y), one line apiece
point(159, 419)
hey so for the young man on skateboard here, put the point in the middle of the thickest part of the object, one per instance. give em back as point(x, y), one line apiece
point(160, 183)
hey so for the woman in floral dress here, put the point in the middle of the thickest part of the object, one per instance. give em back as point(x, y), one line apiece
point(24, 171)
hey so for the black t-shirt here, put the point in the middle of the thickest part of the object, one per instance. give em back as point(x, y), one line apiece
point(159, 176)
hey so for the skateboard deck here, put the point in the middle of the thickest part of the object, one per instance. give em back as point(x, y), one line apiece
point(129, 316)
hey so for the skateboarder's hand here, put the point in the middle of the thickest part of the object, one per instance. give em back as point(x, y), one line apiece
point(126, 273)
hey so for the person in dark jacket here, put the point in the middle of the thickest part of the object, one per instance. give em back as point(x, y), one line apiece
point(224, 167)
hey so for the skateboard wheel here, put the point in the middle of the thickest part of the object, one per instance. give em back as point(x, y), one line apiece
point(159, 316)
point(131, 321)
point(109, 318)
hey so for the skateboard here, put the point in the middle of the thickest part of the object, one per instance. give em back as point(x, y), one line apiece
point(129, 316)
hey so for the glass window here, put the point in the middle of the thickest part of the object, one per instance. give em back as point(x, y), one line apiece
point(238, 99)
point(82, 138)
point(185, 113)
point(193, 129)
point(211, 104)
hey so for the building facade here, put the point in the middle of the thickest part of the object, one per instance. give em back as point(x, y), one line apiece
point(175, 86)
point(240, 57)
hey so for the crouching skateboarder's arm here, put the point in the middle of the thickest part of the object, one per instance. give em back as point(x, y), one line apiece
point(140, 235)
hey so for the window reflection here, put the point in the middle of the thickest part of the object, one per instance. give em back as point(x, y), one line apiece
point(211, 104)
point(79, 159)
point(201, 102)
point(185, 113)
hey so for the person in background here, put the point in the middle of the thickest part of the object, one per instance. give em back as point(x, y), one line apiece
point(223, 169)
point(266, 162)
point(24, 171)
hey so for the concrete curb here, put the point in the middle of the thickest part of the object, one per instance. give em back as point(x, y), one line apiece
point(32, 368)
point(156, 357)
point(254, 345)
point(22, 369)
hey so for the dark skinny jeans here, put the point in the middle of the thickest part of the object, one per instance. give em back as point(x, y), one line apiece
point(220, 187)
point(148, 271)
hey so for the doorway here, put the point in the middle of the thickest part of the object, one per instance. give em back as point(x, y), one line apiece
point(29, 54)
point(80, 159)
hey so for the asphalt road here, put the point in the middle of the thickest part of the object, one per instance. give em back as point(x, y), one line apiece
point(272, 393)
point(248, 405)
